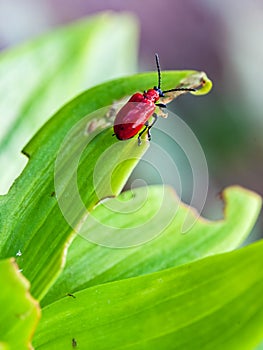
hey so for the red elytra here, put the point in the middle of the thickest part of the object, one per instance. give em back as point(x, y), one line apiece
point(134, 115)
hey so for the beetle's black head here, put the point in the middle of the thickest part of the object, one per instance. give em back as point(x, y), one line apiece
point(160, 92)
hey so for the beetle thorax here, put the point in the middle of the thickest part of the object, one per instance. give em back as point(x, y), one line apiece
point(151, 95)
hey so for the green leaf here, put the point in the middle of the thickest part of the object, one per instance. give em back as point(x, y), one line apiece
point(19, 311)
point(39, 77)
point(260, 347)
point(158, 221)
point(213, 303)
point(31, 219)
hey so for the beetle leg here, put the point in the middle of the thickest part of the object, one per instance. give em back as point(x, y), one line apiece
point(155, 117)
point(161, 105)
point(140, 134)
point(149, 134)
point(148, 128)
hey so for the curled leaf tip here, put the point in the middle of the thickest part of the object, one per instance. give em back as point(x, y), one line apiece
point(197, 81)
point(200, 82)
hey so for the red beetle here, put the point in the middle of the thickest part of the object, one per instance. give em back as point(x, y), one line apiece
point(134, 115)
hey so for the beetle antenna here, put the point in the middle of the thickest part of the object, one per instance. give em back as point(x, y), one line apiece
point(158, 69)
point(180, 89)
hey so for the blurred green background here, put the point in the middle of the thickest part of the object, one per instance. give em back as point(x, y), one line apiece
point(223, 38)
